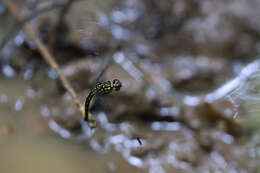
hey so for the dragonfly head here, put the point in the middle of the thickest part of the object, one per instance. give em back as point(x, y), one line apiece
point(117, 84)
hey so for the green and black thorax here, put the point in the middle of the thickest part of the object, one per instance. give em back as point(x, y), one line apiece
point(100, 89)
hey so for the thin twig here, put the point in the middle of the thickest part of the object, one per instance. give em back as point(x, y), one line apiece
point(59, 31)
point(18, 26)
point(47, 56)
point(12, 32)
point(65, 9)
point(44, 8)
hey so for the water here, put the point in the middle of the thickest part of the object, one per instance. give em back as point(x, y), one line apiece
point(27, 145)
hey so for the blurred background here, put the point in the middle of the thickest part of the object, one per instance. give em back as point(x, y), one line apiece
point(191, 86)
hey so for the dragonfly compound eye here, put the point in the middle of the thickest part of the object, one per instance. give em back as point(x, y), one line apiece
point(117, 84)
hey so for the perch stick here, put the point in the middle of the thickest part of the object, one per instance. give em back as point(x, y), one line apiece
point(47, 56)
point(26, 18)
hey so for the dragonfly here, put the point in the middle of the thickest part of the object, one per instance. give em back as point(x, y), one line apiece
point(101, 88)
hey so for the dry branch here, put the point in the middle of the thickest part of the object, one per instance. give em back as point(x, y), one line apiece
point(47, 56)
point(24, 19)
